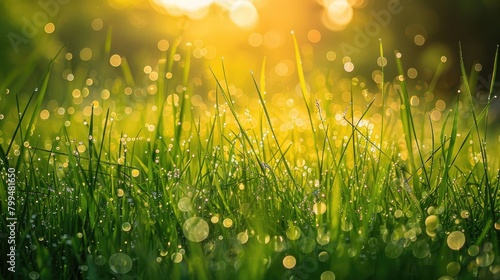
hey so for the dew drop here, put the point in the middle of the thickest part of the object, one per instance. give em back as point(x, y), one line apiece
point(393, 251)
point(293, 232)
point(327, 275)
point(126, 226)
point(319, 208)
point(421, 249)
point(184, 204)
point(473, 250)
point(242, 237)
point(135, 173)
point(307, 245)
point(453, 268)
point(485, 258)
point(432, 222)
point(323, 256)
point(456, 240)
point(227, 223)
point(289, 262)
point(100, 260)
point(34, 275)
point(195, 229)
point(176, 257)
point(120, 263)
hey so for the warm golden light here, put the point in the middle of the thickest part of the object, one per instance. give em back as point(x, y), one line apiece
point(242, 13)
point(195, 9)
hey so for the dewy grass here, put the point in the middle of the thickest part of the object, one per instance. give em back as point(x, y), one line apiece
point(206, 191)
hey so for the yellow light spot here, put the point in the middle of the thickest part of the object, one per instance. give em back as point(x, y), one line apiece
point(244, 14)
point(214, 219)
point(412, 73)
point(163, 45)
point(86, 54)
point(327, 275)
point(348, 66)
point(331, 55)
point(456, 240)
point(115, 60)
point(49, 28)
point(319, 208)
point(314, 36)
point(120, 193)
point(440, 105)
point(338, 15)
point(255, 39)
point(97, 24)
point(414, 101)
point(242, 237)
point(289, 262)
point(227, 223)
point(135, 173)
point(105, 94)
point(419, 40)
point(432, 222)
point(44, 114)
point(81, 148)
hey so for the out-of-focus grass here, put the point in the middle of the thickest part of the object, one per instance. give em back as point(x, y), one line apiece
point(153, 181)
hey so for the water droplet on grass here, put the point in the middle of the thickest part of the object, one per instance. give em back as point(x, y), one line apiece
point(176, 257)
point(227, 223)
point(120, 263)
point(323, 256)
point(195, 229)
point(393, 251)
point(242, 237)
point(327, 275)
point(293, 232)
point(453, 268)
point(319, 208)
point(100, 260)
point(278, 244)
point(456, 240)
point(473, 250)
point(135, 173)
point(307, 245)
point(263, 238)
point(34, 275)
point(184, 204)
point(289, 262)
point(421, 249)
point(485, 258)
point(126, 226)
point(346, 225)
point(432, 222)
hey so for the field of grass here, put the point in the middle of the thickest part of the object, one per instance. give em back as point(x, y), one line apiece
point(337, 179)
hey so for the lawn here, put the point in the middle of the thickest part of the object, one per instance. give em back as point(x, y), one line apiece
point(180, 172)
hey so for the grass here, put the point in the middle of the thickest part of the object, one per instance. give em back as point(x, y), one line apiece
point(381, 189)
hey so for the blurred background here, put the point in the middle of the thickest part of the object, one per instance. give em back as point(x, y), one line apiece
point(335, 36)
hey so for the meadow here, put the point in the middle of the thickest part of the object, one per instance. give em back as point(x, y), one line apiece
point(167, 176)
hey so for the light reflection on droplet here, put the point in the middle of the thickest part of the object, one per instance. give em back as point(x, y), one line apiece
point(126, 226)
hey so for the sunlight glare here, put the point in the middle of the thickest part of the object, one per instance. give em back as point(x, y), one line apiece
point(338, 14)
point(244, 14)
point(195, 9)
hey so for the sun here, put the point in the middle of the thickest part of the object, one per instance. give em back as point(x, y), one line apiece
point(242, 13)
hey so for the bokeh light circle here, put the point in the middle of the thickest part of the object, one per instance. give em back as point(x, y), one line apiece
point(120, 263)
point(195, 229)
